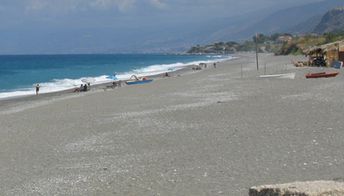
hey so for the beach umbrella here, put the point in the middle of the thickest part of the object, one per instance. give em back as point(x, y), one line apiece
point(112, 77)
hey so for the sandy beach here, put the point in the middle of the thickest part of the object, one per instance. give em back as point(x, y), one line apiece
point(209, 132)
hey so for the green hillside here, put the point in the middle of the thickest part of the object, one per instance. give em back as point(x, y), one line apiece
point(280, 44)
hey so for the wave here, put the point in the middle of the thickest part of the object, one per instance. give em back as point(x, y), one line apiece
point(57, 85)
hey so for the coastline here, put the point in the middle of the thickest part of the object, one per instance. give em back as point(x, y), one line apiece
point(17, 101)
point(209, 132)
point(65, 79)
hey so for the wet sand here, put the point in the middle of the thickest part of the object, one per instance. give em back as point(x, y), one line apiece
point(206, 132)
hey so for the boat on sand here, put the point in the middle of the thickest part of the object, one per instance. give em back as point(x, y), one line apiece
point(322, 75)
point(135, 80)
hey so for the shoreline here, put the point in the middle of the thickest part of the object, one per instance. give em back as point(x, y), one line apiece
point(8, 102)
point(101, 80)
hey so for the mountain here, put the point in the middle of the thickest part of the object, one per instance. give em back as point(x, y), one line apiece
point(285, 20)
point(332, 21)
point(173, 28)
point(180, 36)
point(295, 20)
point(307, 26)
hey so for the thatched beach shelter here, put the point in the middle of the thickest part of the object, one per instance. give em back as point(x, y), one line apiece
point(326, 55)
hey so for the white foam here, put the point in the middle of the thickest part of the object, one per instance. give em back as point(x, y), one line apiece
point(66, 84)
point(163, 68)
point(55, 85)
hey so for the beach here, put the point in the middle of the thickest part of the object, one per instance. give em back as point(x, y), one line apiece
point(217, 131)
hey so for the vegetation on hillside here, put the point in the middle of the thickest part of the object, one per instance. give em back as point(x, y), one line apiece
point(280, 44)
point(266, 43)
point(300, 43)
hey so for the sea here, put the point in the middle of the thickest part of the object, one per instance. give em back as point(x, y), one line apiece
point(19, 74)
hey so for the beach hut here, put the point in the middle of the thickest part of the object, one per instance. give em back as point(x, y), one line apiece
point(326, 55)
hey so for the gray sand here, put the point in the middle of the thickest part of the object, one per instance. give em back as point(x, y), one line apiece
point(207, 132)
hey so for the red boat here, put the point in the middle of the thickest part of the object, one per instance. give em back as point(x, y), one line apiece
point(322, 75)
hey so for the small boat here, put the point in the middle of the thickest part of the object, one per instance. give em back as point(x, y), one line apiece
point(322, 75)
point(137, 80)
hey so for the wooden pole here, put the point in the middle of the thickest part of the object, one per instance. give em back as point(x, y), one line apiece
point(257, 51)
point(338, 49)
point(264, 68)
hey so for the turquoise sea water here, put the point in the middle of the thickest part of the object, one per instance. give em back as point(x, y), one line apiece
point(19, 73)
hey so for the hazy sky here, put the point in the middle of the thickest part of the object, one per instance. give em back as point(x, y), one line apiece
point(53, 9)
point(39, 25)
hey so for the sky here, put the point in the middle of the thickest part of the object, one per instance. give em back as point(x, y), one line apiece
point(77, 26)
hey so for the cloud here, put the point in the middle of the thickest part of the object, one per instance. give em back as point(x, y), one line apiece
point(37, 5)
point(158, 4)
point(73, 5)
point(122, 5)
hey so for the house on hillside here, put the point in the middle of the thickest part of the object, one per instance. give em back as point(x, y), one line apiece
point(326, 55)
point(284, 38)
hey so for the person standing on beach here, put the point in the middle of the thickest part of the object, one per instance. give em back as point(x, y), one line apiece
point(37, 89)
point(214, 65)
point(85, 88)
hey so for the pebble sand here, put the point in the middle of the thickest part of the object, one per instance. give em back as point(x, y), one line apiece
point(210, 132)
